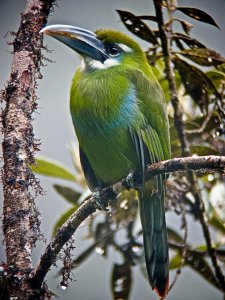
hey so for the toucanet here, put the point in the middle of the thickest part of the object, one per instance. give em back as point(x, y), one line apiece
point(119, 114)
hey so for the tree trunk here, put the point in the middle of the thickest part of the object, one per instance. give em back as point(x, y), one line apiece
point(20, 217)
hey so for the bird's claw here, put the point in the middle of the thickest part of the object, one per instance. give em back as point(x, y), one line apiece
point(131, 183)
point(99, 201)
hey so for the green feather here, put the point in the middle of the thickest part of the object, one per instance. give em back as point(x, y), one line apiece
point(119, 115)
point(141, 136)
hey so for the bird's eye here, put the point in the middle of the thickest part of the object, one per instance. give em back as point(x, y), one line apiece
point(113, 50)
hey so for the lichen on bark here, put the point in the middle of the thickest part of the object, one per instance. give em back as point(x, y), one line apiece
point(20, 216)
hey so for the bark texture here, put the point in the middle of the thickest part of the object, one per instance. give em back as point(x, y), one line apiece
point(20, 222)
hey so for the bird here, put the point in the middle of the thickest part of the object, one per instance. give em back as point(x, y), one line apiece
point(118, 110)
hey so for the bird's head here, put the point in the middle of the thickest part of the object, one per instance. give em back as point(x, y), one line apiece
point(100, 50)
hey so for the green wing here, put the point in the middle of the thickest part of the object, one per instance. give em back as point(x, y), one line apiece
point(154, 133)
point(152, 144)
point(153, 106)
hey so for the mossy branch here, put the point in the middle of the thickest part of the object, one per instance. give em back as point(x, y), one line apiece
point(20, 217)
point(204, 164)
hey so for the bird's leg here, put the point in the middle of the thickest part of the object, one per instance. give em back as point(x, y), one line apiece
point(131, 183)
point(98, 199)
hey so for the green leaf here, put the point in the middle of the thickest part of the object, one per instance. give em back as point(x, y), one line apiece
point(174, 141)
point(217, 245)
point(63, 218)
point(202, 247)
point(67, 193)
point(217, 223)
point(203, 56)
point(175, 262)
point(49, 167)
point(222, 68)
point(137, 26)
point(198, 15)
point(217, 77)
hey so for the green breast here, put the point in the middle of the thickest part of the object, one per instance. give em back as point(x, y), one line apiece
point(103, 110)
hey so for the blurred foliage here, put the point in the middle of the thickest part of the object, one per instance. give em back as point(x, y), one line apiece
point(200, 79)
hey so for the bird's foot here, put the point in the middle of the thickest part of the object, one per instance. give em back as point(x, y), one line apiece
point(101, 204)
point(131, 183)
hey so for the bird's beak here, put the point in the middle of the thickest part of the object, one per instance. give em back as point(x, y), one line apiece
point(81, 40)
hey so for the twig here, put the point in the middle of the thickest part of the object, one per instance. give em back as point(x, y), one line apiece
point(210, 248)
point(62, 236)
point(184, 246)
point(165, 42)
point(203, 126)
point(51, 252)
point(190, 251)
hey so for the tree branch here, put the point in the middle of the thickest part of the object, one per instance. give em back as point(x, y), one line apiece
point(165, 43)
point(19, 143)
point(210, 248)
point(204, 163)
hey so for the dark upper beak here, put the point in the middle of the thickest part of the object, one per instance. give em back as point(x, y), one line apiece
point(81, 40)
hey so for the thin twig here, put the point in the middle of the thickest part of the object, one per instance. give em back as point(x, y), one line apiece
point(210, 248)
point(190, 251)
point(165, 42)
point(51, 252)
point(184, 246)
point(203, 126)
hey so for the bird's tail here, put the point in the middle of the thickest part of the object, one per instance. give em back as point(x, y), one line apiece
point(155, 237)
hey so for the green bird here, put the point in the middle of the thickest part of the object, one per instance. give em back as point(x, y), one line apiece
point(119, 115)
